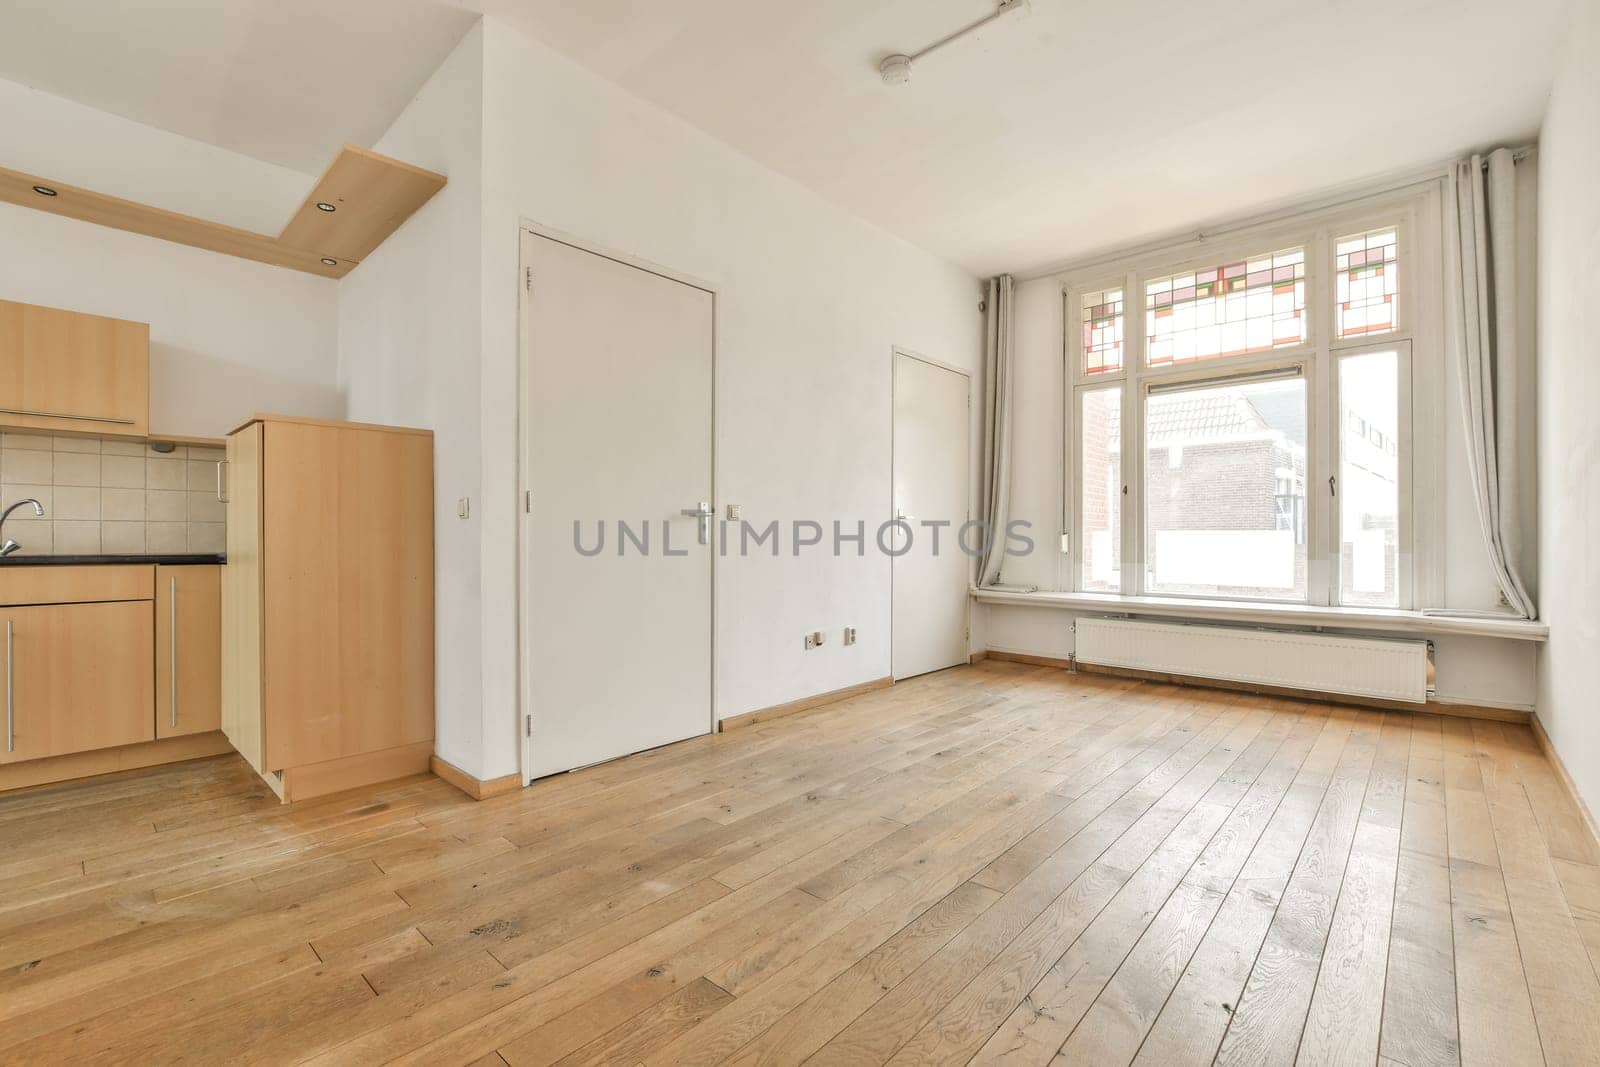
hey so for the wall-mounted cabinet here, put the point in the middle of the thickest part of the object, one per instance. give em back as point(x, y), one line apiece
point(67, 371)
point(188, 649)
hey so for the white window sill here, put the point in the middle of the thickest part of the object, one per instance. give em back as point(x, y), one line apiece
point(1379, 620)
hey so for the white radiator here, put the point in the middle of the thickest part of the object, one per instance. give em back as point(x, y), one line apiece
point(1358, 666)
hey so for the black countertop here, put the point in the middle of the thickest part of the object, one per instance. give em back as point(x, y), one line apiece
point(62, 561)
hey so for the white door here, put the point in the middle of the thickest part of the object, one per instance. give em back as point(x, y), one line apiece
point(617, 417)
point(930, 487)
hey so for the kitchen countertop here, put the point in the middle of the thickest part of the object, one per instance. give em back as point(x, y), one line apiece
point(79, 561)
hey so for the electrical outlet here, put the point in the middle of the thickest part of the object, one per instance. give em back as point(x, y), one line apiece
point(811, 642)
point(849, 635)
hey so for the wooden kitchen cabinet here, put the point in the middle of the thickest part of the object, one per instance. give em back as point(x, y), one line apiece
point(67, 371)
point(188, 622)
point(328, 668)
point(78, 678)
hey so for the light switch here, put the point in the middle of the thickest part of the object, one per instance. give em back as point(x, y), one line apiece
point(464, 508)
point(735, 512)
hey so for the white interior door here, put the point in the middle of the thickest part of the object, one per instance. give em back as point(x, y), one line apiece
point(617, 415)
point(931, 454)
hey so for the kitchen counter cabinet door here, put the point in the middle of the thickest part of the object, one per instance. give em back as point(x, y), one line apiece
point(78, 678)
point(188, 650)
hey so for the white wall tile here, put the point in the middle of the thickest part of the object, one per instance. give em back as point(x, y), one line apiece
point(75, 444)
point(161, 473)
point(27, 465)
point(122, 505)
point(10, 494)
point(121, 448)
point(118, 538)
point(42, 442)
point(166, 537)
point(165, 505)
point(76, 502)
point(36, 536)
point(205, 507)
point(208, 537)
point(76, 538)
point(122, 472)
point(76, 468)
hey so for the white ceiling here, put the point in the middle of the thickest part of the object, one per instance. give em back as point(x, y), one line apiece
point(1070, 128)
point(287, 81)
point(1077, 125)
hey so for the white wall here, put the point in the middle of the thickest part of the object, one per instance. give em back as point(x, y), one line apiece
point(228, 337)
point(410, 324)
point(810, 302)
point(1469, 670)
point(1569, 396)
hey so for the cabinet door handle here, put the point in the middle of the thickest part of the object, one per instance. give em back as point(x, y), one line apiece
point(172, 649)
point(11, 703)
point(222, 493)
point(64, 415)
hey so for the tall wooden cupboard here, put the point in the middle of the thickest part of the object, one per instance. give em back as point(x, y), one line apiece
point(327, 603)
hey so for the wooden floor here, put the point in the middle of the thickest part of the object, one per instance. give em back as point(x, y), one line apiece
point(991, 863)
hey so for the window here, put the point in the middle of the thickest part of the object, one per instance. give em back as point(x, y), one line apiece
point(1253, 441)
point(1252, 305)
point(1100, 474)
point(1368, 486)
point(1225, 488)
point(1367, 277)
point(1102, 331)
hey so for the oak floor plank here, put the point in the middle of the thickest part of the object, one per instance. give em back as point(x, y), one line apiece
point(996, 862)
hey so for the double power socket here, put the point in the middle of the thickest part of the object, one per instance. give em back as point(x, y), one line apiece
point(818, 637)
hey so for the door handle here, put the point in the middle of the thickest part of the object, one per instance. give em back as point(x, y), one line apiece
point(172, 651)
point(703, 514)
point(11, 704)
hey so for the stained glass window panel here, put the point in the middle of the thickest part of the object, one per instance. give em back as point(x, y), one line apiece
point(1367, 278)
point(1252, 305)
point(1102, 331)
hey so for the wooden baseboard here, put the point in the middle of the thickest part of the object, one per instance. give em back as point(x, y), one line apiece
point(1028, 658)
point(1562, 773)
point(353, 772)
point(794, 707)
point(476, 788)
point(101, 761)
point(1432, 707)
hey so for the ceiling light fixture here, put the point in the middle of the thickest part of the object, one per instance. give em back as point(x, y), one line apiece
point(328, 261)
point(323, 205)
point(45, 190)
point(896, 68)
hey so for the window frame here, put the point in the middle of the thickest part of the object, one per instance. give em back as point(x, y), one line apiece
point(1415, 214)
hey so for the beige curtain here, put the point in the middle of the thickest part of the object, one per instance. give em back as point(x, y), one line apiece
point(1481, 327)
point(996, 427)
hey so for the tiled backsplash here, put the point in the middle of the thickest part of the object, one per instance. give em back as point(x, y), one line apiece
point(108, 496)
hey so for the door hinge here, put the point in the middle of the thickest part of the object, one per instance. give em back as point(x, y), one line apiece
point(527, 501)
point(527, 279)
point(527, 726)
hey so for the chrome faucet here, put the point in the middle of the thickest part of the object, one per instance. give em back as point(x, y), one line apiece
point(11, 546)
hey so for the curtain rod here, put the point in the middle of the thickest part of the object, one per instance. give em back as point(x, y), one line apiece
point(1412, 180)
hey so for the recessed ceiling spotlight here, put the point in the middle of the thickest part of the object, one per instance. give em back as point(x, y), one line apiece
point(896, 69)
point(328, 261)
point(45, 190)
point(323, 205)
